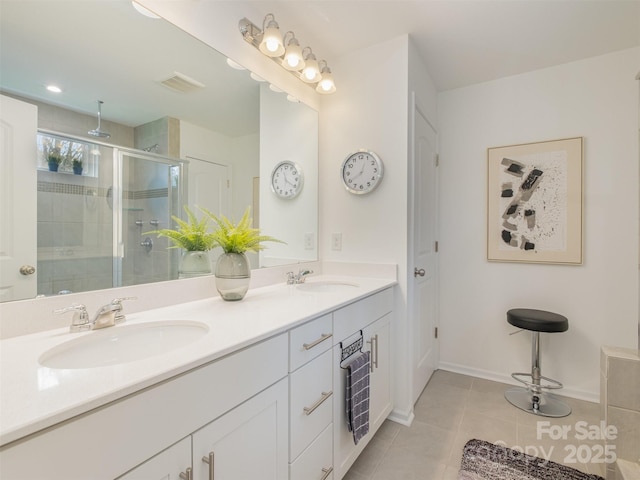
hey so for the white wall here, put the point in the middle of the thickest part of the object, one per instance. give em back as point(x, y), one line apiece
point(597, 99)
point(369, 110)
point(288, 131)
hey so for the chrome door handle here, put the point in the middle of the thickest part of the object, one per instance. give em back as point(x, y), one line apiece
point(419, 272)
point(210, 460)
point(27, 269)
point(326, 472)
point(309, 410)
point(188, 475)
point(323, 337)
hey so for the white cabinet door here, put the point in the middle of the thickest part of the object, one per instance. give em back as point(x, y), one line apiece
point(377, 334)
point(247, 443)
point(377, 341)
point(167, 465)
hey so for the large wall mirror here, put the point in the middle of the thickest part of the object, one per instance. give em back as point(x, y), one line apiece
point(186, 128)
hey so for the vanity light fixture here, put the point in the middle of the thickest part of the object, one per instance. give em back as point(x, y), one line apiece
point(287, 53)
point(326, 85)
point(235, 65)
point(271, 44)
point(311, 71)
point(144, 11)
point(293, 60)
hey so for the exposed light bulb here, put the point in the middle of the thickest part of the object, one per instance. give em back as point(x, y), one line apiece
point(272, 44)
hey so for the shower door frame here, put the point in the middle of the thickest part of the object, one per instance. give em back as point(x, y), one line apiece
point(118, 190)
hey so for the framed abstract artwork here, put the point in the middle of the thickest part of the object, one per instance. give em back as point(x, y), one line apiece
point(534, 202)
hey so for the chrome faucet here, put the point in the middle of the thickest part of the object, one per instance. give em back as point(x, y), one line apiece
point(300, 277)
point(107, 316)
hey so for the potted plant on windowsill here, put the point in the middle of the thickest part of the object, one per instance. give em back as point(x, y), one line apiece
point(54, 159)
point(232, 271)
point(77, 166)
point(194, 237)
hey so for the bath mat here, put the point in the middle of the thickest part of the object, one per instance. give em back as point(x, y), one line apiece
point(485, 461)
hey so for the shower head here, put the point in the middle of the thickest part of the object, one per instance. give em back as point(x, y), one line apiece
point(98, 132)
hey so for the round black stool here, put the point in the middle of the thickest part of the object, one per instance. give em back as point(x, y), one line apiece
point(532, 399)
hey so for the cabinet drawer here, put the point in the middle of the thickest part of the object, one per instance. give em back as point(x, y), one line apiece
point(316, 462)
point(309, 340)
point(310, 391)
point(358, 315)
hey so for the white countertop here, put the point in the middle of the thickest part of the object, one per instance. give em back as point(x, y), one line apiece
point(33, 397)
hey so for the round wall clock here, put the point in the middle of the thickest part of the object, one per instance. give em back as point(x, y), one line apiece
point(362, 172)
point(287, 179)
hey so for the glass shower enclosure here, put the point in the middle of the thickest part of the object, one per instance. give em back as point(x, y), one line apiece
point(93, 223)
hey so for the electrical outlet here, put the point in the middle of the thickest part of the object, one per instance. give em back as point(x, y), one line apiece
point(336, 241)
point(308, 241)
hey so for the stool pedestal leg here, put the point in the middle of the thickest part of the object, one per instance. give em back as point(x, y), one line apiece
point(532, 399)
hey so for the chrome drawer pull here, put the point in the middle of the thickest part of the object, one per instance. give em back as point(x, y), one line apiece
point(210, 460)
point(327, 472)
point(309, 346)
point(309, 410)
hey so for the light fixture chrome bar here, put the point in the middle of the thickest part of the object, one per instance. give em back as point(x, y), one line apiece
point(250, 32)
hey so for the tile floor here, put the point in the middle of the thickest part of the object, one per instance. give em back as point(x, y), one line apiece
point(455, 408)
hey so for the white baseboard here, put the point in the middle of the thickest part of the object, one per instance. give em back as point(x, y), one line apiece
point(402, 417)
point(500, 377)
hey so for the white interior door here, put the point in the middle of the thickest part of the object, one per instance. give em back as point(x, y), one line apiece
point(18, 161)
point(209, 186)
point(424, 271)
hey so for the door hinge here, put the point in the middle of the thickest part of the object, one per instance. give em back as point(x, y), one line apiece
point(437, 159)
point(435, 333)
point(436, 246)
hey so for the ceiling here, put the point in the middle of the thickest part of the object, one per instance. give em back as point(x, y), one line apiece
point(465, 42)
point(105, 50)
point(462, 43)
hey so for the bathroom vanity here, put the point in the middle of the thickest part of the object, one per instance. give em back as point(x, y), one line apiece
point(259, 393)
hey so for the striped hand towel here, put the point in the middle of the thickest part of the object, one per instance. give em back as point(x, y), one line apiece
point(357, 396)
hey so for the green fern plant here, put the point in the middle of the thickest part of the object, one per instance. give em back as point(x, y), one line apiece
point(238, 237)
point(193, 235)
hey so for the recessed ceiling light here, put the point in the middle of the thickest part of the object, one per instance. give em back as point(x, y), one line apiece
point(144, 11)
point(54, 88)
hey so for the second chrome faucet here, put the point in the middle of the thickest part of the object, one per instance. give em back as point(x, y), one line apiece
point(300, 277)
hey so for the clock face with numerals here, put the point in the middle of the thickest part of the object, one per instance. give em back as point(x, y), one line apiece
point(362, 172)
point(287, 179)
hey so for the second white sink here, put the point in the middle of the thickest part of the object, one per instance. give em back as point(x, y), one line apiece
point(123, 344)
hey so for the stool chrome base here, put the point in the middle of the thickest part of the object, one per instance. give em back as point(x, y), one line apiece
point(543, 404)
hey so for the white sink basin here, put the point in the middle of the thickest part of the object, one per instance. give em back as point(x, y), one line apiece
point(327, 286)
point(122, 344)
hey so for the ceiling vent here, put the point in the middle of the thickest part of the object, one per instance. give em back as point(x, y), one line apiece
point(178, 82)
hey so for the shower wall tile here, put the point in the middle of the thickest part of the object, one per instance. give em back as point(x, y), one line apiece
point(620, 387)
point(623, 388)
point(45, 206)
point(628, 440)
point(45, 234)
